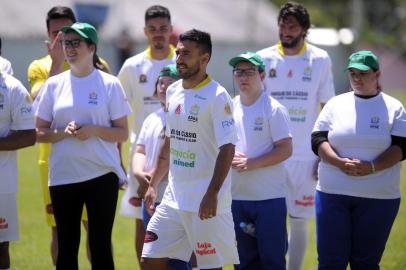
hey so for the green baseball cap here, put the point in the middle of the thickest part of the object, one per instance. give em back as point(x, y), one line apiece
point(363, 60)
point(85, 30)
point(170, 71)
point(248, 56)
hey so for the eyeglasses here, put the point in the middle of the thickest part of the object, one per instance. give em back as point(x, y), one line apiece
point(247, 72)
point(74, 43)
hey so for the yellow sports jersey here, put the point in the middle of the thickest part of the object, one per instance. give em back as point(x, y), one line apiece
point(38, 72)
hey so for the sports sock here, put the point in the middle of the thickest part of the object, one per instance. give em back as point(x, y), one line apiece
point(297, 243)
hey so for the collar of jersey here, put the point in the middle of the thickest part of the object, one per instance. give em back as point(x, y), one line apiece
point(171, 52)
point(203, 83)
point(282, 52)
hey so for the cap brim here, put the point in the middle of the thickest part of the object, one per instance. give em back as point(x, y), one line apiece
point(234, 61)
point(358, 66)
point(80, 33)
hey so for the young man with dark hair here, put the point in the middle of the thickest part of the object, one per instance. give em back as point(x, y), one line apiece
point(299, 76)
point(138, 76)
point(195, 212)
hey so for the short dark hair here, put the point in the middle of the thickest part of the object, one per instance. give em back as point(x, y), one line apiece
point(60, 12)
point(202, 39)
point(157, 11)
point(296, 10)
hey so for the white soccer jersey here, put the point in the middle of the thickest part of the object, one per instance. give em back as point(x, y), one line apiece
point(96, 99)
point(138, 77)
point(15, 114)
point(151, 136)
point(299, 83)
point(199, 121)
point(5, 66)
point(258, 127)
point(361, 128)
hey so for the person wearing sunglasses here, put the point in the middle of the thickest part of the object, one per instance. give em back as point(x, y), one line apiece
point(360, 137)
point(83, 113)
point(259, 178)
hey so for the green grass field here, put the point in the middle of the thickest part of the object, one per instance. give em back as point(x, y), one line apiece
point(31, 252)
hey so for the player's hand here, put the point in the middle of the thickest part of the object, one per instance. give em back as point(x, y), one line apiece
point(85, 132)
point(358, 167)
point(208, 206)
point(150, 199)
point(55, 50)
point(143, 179)
point(71, 128)
point(240, 162)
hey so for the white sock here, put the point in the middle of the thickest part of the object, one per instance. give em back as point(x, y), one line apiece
point(297, 243)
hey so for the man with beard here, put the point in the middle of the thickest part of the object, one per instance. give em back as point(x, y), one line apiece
point(195, 212)
point(138, 76)
point(299, 76)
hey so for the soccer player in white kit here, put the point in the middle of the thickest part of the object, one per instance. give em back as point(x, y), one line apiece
point(17, 130)
point(138, 76)
point(195, 212)
point(259, 179)
point(299, 76)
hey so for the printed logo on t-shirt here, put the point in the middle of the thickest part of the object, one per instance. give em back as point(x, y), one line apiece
point(178, 109)
point(227, 123)
point(150, 237)
point(374, 122)
point(142, 78)
point(307, 74)
point(306, 201)
point(258, 125)
point(183, 158)
point(3, 223)
point(182, 135)
point(200, 97)
point(272, 73)
point(93, 98)
point(205, 248)
point(25, 109)
point(194, 111)
point(297, 114)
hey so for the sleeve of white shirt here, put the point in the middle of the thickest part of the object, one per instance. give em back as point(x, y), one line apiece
point(223, 121)
point(22, 114)
point(118, 103)
point(324, 120)
point(279, 122)
point(326, 86)
point(399, 123)
point(44, 108)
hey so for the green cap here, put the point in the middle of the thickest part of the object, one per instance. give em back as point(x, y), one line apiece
point(363, 60)
point(248, 56)
point(85, 30)
point(169, 71)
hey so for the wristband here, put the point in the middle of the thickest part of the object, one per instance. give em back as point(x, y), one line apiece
point(372, 167)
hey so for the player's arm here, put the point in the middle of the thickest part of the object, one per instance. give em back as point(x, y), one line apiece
point(17, 139)
point(118, 132)
point(137, 165)
point(208, 206)
point(47, 134)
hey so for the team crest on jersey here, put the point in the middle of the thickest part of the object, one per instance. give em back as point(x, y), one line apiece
point(143, 78)
point(290, 74)
point(178, 109)
point(258, 124)
point(307, 74)
point(272, 73)
point(194, 111)
point(93, 98)
point(374, 122)
point(227, 108)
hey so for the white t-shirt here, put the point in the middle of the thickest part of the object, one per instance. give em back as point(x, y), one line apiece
point(5, 66)
point(199, 121)
point(299, 83)
point(258, 127)
point(361, 128)
point(96, 99)
point(138, 76)
point(15, 114)
point(151, 136)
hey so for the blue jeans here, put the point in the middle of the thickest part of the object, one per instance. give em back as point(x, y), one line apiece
point(267, 250)
point(352, 230)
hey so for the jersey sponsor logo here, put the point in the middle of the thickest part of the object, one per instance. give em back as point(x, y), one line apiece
point(227, 108)
point(205, 248)
point(150, 237)
point(272, 73)
point(151, 101)
point(49, 209)
point(290, 95)
point(258, 124)
point(307, 74)
point(183, 158)
point(25, 109)
point(374, 122)
point(178, 109)
point(134, 201)
point(306, 201)
point(290, 74)
point(3, 223)
point(199, 97)
point(142, 78)
point(297, 114)
point(193, 112)
point(227, 123)
point(93, 98)
point(182, 135)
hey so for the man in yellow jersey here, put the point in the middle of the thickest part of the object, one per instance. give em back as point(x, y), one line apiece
point(299, 76)
point(38, 72)
point(138, 76)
